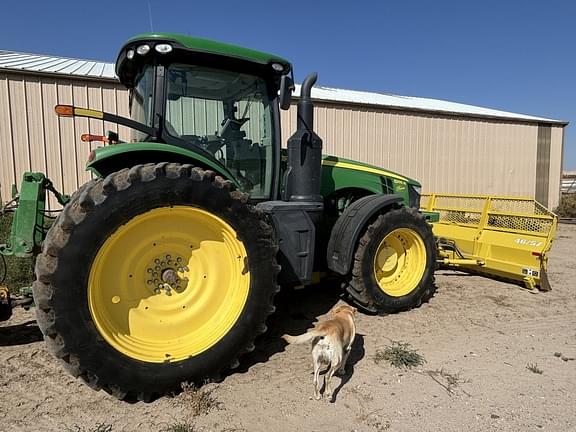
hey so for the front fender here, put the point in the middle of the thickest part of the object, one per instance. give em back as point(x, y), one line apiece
point(115, 157)
point(349, 227)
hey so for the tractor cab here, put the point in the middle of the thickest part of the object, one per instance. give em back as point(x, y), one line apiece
point(217, 100)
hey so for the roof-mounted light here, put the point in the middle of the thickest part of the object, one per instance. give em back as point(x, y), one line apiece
point(278, 67)
point(130, 54)
point(163, 48)
point(143, 49)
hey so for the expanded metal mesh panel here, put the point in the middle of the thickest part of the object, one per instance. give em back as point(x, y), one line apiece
point(461, 217)
point(517, 213)
point(460, 202)
point(523, 206)
point(521, 223)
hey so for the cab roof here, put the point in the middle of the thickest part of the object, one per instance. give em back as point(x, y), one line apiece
point(212, 47)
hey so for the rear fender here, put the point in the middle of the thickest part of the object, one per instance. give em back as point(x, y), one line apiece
point(351, 224)
point(112, 158)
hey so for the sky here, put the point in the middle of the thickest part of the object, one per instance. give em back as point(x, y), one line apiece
point(515, 56)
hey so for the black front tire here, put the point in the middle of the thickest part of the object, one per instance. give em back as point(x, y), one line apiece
point(362, 284)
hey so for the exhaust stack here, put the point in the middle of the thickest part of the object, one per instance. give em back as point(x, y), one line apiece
point(302, 181)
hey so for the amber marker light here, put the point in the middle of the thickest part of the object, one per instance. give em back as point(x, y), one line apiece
point(64, 110)
point(90, 138)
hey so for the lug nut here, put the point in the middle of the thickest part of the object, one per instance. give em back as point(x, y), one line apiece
point(167, 289)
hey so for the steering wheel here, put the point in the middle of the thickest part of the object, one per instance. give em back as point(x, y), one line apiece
point(231, 124)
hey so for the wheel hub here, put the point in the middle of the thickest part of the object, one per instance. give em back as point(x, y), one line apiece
point(166, 273)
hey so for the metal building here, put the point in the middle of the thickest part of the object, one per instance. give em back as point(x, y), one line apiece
point(448, 147)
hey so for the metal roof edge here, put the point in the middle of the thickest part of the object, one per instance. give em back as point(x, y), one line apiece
point(5, 51)
point(319, 93)
point(31, 64)
point(61, 75)
point(418, 104)
point(444, 112)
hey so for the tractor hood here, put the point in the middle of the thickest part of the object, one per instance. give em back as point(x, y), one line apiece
point(364, 167)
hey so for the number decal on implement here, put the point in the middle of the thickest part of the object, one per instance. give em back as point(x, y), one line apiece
point(526, 242)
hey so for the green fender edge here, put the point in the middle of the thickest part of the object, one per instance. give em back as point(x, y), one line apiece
point(105, 160)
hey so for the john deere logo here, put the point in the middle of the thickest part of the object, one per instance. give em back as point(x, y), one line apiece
point(526, 242)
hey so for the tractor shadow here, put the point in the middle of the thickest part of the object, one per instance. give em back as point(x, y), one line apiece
point(296, 312)
point(20, 334)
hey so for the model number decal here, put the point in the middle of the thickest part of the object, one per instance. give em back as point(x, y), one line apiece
point(526, 242)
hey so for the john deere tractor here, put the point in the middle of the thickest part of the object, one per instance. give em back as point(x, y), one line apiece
point(164, 267)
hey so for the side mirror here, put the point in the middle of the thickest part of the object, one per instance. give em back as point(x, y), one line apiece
point(286, 89)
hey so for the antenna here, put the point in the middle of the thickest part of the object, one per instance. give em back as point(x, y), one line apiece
point(150, 16)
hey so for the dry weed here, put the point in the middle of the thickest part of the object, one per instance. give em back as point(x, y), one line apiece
point(99, 427)
point(399, 354)
point(447, 380)
point(179, 427)
point(534, 368)
point(198, 400)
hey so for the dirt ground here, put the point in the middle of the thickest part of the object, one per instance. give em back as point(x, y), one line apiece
point(478, 337)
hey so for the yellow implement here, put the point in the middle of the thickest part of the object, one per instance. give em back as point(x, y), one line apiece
point(506, 237)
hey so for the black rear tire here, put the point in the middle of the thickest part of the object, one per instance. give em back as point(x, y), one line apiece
point(93, 215)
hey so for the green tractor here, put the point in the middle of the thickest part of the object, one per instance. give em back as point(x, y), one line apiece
point(164, 267)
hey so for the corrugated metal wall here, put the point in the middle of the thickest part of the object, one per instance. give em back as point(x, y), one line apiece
point(33, 138)
point(446, 153)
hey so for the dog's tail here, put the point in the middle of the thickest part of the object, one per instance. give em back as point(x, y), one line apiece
point(303, 338)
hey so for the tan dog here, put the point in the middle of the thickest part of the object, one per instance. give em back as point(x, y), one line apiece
point(331, 344)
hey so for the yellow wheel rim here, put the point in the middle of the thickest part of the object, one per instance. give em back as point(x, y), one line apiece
point(400, 262)
point(168, 284)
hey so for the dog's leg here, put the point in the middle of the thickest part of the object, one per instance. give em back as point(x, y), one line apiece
point(327, 378)
point(342, 369)
point(316, 375)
